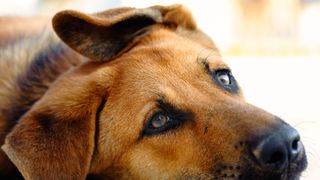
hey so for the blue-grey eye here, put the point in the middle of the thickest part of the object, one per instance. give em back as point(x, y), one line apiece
point(225, 79)
point(159, 121)
point(166, 118)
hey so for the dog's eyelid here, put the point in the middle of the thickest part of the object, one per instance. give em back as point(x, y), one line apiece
point(221, 68)
point(173, 111)
point(210, 67)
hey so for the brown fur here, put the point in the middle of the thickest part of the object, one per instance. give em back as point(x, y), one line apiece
point(66, 116)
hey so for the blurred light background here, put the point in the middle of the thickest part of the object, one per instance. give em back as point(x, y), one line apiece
point(273, 47)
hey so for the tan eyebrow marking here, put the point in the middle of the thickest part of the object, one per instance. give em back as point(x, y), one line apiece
point(212, 61)
point(202, 59)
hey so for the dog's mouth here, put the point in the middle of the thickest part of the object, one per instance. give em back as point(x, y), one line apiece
point(247, 170)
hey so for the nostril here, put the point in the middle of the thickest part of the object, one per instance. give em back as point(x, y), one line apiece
point(271, 153)
point(276, 158)
point(296, 149)
point(277, 149)
point(294, 145)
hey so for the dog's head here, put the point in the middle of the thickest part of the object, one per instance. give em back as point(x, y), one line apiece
point(155, 102)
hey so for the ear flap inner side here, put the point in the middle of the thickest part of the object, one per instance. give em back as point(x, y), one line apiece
point(98, 38)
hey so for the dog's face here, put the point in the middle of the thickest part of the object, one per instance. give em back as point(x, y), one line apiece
point(158, 102)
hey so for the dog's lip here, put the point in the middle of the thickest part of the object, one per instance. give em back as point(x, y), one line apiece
point(249, 170)
point(255, 176)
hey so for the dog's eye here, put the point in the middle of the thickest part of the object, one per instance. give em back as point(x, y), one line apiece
point(158, 123)
point(225, 79)
point(166, 118)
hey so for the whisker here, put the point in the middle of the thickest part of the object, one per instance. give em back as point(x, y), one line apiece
point(303, 123)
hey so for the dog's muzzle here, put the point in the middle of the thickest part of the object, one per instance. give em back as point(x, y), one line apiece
point(277, 154)
point(279, 149)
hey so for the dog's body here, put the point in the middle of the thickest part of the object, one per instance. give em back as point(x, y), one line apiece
point(28, 66)
point(148, 97)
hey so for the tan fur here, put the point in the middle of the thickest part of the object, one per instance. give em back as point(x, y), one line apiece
point(88, 119)
point(14, 66)
point(14, 28)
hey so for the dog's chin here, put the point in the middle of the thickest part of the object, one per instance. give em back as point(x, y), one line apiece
point(250, 171)
point(253, 175)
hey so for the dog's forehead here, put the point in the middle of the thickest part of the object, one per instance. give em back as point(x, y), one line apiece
point(166, 50)
point(170, 65)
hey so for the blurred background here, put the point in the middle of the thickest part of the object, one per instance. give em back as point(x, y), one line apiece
point(273, 47)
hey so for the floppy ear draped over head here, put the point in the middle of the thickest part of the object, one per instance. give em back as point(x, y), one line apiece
point(105, 35)
point(55, 138)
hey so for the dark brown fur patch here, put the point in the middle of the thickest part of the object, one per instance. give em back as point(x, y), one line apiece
point(35, 70)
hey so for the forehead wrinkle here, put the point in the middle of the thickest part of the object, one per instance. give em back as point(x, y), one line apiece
point(186, 96)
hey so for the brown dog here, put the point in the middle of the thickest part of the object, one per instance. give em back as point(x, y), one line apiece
point(148, 98)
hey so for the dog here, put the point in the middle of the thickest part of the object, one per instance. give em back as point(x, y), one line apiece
point(133, 94)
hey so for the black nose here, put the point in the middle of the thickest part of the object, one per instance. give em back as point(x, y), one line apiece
point(279, 148)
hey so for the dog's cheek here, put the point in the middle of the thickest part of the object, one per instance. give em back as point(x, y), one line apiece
point(171, 156)
point(143, 165)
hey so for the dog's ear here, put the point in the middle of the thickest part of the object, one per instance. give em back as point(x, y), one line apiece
point(105, 35)
point(177, 15)
point(55, 138)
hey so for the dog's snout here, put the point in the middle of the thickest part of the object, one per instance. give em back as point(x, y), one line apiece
point(277, 150)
